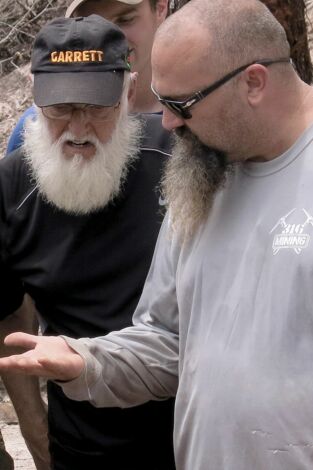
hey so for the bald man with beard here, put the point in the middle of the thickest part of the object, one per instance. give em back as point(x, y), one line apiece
point(225, 318)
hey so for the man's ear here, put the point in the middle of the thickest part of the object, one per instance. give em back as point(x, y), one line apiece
point(256, 79)
point(131, 96)
point(161, 9)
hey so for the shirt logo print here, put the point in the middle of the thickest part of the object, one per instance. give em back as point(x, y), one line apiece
point(162, 201)
point(292, 236)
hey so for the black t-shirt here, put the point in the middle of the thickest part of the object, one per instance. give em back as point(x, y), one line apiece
point(85, 274)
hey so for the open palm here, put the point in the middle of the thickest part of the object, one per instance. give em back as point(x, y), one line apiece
point(46, 356)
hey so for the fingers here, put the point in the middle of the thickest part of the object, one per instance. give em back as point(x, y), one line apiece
point(23, 340)
point(20, 363)
point(29, 365)
point(49, 357)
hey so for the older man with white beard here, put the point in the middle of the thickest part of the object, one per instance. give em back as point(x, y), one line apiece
point(79, 217)
point(80, 154)
point(139, 20)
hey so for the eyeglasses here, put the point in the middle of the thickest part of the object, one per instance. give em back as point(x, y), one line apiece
point(92, 112)
point(182, 108)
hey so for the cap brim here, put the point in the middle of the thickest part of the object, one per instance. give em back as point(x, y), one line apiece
point(98, 88)
point(76, 3)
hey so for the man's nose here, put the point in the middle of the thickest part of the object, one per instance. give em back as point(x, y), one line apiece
point(78, 124)
point(171, 121)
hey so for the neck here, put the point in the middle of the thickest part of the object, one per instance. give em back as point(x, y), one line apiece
point(294, 117)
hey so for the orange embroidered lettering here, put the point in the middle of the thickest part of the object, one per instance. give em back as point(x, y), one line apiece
point(86, 56)
point(93, 56)
point(68, 56)
point(61, 57)
point(77, 56)
point(54, 56)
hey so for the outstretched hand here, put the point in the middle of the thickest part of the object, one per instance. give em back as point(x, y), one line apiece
point(47, 356)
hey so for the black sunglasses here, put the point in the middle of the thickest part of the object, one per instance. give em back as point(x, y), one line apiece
point(182, 108)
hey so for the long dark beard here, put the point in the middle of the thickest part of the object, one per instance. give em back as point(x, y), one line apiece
point(193, 176)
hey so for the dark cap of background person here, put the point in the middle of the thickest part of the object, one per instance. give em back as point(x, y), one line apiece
point(76, 3)
point(79, 60)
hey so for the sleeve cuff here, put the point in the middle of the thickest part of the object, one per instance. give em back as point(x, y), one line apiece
point(79, 388)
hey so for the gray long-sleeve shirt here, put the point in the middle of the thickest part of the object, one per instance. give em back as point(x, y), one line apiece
point(226, 322)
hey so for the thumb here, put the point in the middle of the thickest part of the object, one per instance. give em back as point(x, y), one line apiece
point(23, 340)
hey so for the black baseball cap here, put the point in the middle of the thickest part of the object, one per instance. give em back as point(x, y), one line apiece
point(79, 60)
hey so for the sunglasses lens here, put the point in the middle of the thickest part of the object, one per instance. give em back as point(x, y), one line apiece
point(174, 108)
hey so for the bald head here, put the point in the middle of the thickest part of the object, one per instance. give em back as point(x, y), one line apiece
point(254, 113)
point(232, 32)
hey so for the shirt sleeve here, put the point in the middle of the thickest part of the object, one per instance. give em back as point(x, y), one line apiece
point(138, 363)
point(16, 139)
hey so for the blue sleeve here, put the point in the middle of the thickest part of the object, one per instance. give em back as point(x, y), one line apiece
point(16, 138)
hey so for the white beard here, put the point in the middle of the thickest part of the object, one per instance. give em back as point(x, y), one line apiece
point(73, 184)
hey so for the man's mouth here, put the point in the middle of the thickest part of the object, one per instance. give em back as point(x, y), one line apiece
point(78, 143)
point(83, 147)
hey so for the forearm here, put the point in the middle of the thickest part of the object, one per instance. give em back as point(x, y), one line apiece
point(23, 319)
point(125, 368)
point(140, 363)
point(23, 390)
